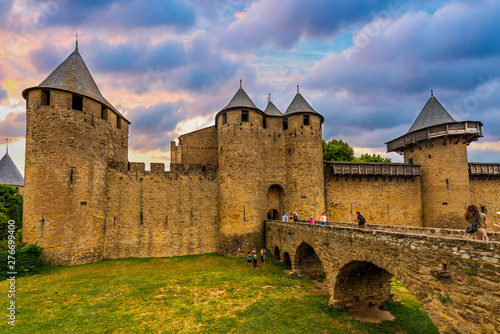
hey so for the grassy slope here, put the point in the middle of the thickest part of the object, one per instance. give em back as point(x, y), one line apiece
point(203, 293)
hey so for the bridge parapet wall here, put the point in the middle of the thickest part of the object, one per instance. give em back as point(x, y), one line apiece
point(358, 263)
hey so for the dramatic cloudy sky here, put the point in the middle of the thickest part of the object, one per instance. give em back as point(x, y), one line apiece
point(368, 66)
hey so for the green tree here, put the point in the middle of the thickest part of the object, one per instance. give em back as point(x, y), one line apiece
point(337, 150)
point(11, 207)
point(372, 158)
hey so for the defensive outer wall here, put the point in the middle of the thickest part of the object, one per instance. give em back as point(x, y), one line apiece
point(359, 265)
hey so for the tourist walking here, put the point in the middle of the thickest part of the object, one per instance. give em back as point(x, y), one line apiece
point(295, 217)
point(311, 220)
point(360, 219)
point(322, 219)
point(473, 216)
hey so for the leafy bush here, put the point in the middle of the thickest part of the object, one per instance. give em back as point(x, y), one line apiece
point(443, 298)
point(27, 260)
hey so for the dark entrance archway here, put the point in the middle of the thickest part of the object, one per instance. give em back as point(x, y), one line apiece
point(273, 214)
point(307, 262)
point(275, 196)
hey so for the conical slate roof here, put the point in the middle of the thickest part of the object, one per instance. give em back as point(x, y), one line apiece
point(432, 114)
point(299, 104)
point(73, 75)
point(240, 99)
point(272, 110)
point(9, 174)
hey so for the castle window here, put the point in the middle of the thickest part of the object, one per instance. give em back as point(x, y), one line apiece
point(285, 124)
point(104, 112)
point(410, 161)
point(45, 98)
point(264, 123)
point(224, 118)
point(77, 102)
point(118, 122)
point(244, 116)
point(306, 119)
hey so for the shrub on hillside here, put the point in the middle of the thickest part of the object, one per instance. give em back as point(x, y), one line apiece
point(26, 259)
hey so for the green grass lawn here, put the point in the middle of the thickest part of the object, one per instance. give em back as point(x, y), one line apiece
point(203, 293)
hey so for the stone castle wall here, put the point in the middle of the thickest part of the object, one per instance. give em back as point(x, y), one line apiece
point(381, 200)
point(158, 213)
point(197, 147)
point(484, 193)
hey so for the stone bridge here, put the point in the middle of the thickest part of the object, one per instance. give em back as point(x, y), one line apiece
point(359, 265)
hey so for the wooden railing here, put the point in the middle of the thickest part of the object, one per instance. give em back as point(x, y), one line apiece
point(371, 168)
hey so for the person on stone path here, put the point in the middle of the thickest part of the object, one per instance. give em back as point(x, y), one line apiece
point(311, 220)
point(322, 219)
point(295, 217)
point(473, 216)
point(249, 260)
point(360, 219)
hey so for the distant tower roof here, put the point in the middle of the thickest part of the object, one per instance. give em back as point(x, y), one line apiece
point(240, 99)
point(9, 174)
point(72, 75)
point(433, 113)
point(271, 109)
point(300, 105)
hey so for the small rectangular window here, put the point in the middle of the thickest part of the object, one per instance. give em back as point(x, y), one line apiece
point(77, 103)
point(264, 123)
point(224, 118)
point(410, 161)
point(104, 112)
point(244, 116)
point(306, 119)
point(45, 98)
point(118, 122)
point(285, 124)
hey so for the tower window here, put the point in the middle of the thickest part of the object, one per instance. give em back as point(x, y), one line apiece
point(224, 118)
point(285, 124)
point(118, 122)
point(306, 119)
point(264, 123)
point(45, 98)
point(77, 102)
point(104, 112)
point(244, 116)
point(410, 161)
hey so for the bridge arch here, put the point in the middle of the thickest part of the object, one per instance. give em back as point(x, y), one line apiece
point(307, 261)
point(286, 260)
point(277, 254)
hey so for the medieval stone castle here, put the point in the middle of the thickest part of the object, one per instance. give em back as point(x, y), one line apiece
point(85, 201)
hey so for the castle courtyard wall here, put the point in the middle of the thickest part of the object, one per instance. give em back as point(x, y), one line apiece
point(197, 147)
point(484, 192)
point(381, 200)
point(158, 213)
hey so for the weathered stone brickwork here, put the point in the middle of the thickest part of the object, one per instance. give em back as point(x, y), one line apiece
point(158, 213)
point(197, 147)
point(359, 264)
point(485, 192)
point(381, 200)
point(67, 153)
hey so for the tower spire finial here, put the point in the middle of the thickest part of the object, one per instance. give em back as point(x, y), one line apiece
point(432, 92)
point(7, 147)
point(297, 89)
point(269, 98)
point(241, 83)
point(76, 40)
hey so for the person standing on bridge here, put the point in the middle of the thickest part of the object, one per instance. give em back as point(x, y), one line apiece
point(361, 220)
point(322, 219)
point(473, 216)
point(311, 220)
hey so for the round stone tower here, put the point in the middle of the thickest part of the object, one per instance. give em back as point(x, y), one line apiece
point(239, 127)
point(72, 132)
point(304, 159)
point(439, 144)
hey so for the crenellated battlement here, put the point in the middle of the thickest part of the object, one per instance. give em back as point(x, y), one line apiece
point(137, 170)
